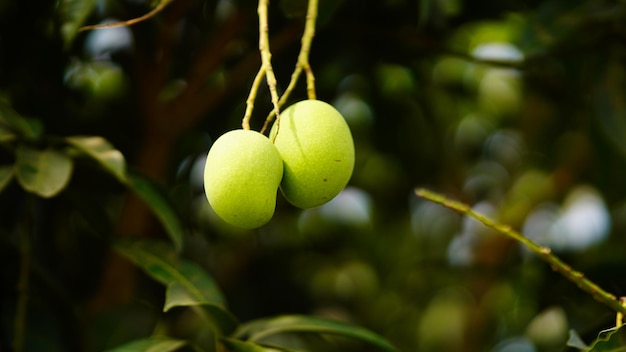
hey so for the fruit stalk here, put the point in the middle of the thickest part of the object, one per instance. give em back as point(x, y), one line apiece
point(543, 252)
point(266, 55)
point(301, 64)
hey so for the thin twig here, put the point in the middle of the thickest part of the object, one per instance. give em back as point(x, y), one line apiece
point(301, 64)
point(266, 55)
point(544, 253)
point(245, 124)
point(162, 4)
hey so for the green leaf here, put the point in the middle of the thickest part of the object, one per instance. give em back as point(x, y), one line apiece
point(6, 135)
point(187, 284)
point(100, 150)
point(610, 110)
point(73, 14)
point(610, 340)
point(258, 330)
point(160, 206)
point(10, 120)
point(44, 173)
point(243, 346)
point(6, 174)
point(153, 344)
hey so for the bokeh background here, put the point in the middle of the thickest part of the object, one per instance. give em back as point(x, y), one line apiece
point(515, 107)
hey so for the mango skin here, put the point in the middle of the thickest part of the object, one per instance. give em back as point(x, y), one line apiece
point(241, 177)
point(317, 149)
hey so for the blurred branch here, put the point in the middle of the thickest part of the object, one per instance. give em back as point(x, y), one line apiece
point(160, 6)
point(544, 253)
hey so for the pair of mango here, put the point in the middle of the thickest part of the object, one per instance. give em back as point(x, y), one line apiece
point(309, 155)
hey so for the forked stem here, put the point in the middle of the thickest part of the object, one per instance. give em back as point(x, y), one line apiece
point(544, 253)
point(301, 64)
point(266, 55)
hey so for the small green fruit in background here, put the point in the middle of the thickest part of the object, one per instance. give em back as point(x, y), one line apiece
point(317, 149)
point(241, 177)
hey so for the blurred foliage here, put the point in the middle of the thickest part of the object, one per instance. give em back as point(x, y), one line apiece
point(107, 241)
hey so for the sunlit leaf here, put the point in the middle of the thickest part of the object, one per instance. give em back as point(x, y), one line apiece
point(73, 14)
point(611, 340)
point(6, 174)
point(44, 173)
point(160, 206)
point(258, 330)
point(153, 344)
point(187, 284)
point(102, 152)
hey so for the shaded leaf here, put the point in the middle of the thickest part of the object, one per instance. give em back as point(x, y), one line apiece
point(153, 344)
point(6, 135)
point(10, 120)
point(609, 105)
point(102, 152)
point(73, 14)
point(6, 174)
point(44, 173)
point(610, 340)
point(162, 208)
point(181, 295)
point(258, 330)
point(187, 284)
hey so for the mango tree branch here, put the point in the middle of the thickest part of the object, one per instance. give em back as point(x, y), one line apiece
point(544, 253)
point(302, 64)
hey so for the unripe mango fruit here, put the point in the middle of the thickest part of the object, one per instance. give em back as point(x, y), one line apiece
point(317, 149)
point(241, 177)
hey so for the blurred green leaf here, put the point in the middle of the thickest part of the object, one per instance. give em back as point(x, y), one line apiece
point(102, 152)
point(44, 173)
point(160, 205)
point(258, 330)
point(10, 120)
point(6, 135)
point(73, 14)
point(187, 284)
point(153, 344)
point(610, 340)
point(610, 109)
point(6, 174)
point(242, 346)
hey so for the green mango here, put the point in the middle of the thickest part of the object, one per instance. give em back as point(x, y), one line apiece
point(242, 174)
point(317, 149)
